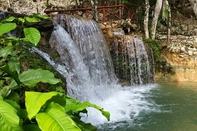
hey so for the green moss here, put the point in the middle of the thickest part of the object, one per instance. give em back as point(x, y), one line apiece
point(155, 46)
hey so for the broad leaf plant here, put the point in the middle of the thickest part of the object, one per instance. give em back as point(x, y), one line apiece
point(22, 107)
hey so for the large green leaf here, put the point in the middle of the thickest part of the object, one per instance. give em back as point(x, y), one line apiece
point(31, 77)
point(7, 27)
point(54, 118)
point(9, 121)
point(14, 105)
point(35, 100)
point(74, 106)
point(32, 34)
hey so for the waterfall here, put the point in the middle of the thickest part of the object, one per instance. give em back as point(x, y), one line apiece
point(85, 54)
point(144, 71)
point(86, 64)
point(131, 59)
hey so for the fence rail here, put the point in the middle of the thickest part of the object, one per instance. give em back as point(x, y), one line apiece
point(105, 13)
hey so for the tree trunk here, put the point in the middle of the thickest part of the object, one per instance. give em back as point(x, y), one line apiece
point(194, 3)
point(146, 17)
point(94, 9)
point(155, 18)
point(169, 22)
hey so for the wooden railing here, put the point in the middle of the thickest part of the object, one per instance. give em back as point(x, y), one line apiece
point(105, 13)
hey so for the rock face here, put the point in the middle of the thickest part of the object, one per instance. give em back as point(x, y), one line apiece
point(178, 67)
point(131, 58)
point(29, 7)
point(179, 60)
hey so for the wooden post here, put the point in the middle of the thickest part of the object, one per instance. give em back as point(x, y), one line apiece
point(104, 15)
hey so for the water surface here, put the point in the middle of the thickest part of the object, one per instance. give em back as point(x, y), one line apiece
point(172, 107)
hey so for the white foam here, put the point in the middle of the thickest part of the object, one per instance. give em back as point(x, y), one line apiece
point(123, 104)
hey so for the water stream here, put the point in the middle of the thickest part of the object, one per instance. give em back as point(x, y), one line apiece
point(174, 108)
point(87, 67)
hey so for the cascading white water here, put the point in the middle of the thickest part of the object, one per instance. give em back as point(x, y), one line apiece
point(92, 46)
point(142, 61)
point(131, 59)
point(90, 74)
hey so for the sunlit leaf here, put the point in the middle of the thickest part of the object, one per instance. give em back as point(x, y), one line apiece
point(32, 34)
point(9, 121)
point(35, 100)
point(54, 118)
point(14, 104)
point(7, 27)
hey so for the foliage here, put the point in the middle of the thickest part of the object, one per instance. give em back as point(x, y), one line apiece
point(7, 27)
point(9, 118)
point(32, 35)
point(124, 1)
point(165, 12)
point(155, 46)
point(22, 107)
point(163, 20)
point(31, 77)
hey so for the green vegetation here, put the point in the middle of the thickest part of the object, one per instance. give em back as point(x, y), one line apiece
point(23, 107)
point(155, 46)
